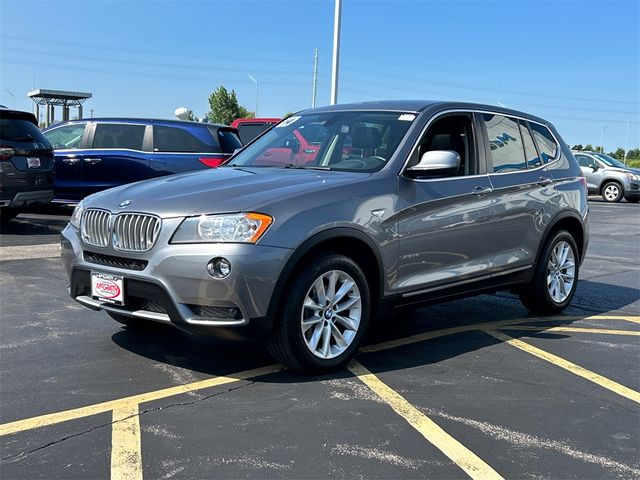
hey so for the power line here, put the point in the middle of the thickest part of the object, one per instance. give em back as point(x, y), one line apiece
point(140, 74)
point(162, 53)
point(151, 64)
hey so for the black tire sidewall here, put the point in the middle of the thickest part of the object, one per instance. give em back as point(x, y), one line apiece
point(293, 307)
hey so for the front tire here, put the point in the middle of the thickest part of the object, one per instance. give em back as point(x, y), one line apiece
point(612, 192)
point(555, 278)
point(323, 316)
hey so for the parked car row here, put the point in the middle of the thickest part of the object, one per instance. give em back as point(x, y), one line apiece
point(92, 155)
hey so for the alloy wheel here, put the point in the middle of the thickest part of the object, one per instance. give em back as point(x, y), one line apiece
point(331, 314)
point(611, 192)
point(561, 271)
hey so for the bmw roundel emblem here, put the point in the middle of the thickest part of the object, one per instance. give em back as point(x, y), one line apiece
point(126, 203)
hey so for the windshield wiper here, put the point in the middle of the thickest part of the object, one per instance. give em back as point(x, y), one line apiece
point(306, 167)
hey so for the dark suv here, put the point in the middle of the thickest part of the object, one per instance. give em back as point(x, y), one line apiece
point(26, 163)
point(403, 201)
point(96, 154)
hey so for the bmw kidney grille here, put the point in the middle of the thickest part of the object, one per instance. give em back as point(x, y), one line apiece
point(131, 232)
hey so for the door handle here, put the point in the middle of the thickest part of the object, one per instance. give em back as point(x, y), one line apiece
point(71, 160)
point(544, 181)
point(481, 191)
point(93, 160)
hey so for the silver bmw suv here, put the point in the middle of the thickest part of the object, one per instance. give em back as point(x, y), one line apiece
point(387, 203)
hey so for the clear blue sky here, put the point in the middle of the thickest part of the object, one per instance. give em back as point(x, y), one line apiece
point(575, 63)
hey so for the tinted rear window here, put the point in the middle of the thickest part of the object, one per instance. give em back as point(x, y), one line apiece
point(249, 131)
point(119, 135)
point(507, 153)
point(18, 130)
point(193, 139)
point(229, 141)
point(546, 143)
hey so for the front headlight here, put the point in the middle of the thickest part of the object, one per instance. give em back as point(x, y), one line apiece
point(227, 228)
point(76, 216)
point(633, 177)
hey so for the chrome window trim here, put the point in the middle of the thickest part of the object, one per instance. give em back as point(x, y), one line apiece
point(462, 110)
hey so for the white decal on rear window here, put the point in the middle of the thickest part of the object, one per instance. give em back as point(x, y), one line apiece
point(288, 121)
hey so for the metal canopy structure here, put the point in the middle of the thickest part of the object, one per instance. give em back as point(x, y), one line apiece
point(52, 98)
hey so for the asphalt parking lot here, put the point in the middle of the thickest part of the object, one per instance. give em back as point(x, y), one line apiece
point(471, 388)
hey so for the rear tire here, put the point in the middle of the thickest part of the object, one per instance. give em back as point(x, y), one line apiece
point(612, 192)
point(555, 278)
point(323, 315)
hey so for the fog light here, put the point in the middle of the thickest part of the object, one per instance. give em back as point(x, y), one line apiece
point(219, 267)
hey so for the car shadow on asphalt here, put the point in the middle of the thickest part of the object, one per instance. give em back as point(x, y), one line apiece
point(27, 225)
point(215, 356)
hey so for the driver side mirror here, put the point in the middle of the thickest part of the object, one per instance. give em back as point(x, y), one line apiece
point(436, 163)
point(594, 166)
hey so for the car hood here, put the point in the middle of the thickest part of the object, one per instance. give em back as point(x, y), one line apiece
point(219, 190)
point(623, 170)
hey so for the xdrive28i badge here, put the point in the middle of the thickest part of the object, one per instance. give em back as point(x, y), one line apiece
point(126, 203)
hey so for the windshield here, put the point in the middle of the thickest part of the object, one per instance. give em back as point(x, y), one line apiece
point(610, 161)
point(344, 141)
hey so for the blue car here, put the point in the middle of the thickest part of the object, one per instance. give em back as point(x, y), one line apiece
point(100, 153)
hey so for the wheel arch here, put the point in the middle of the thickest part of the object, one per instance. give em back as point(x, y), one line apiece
point(572, 223)
point(341, 240)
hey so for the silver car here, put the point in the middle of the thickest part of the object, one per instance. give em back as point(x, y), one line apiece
point(396, 203)
point(609, 177)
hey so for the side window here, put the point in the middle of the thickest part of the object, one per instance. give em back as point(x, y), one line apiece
point(175, 139)
point(583, 160)
point(505, 143)
point(546, 143)
point(118, 135)
point(229, 141)
point(67, 137)
point(530, 152)
point(452, 132)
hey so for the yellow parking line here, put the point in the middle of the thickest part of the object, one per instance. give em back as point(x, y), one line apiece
point(468, 461)
point(603, 331)
point(58, 417)
point(126, 449)
point(569, 366)
point(53, 418)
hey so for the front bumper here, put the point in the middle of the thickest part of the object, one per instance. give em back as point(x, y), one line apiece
point(170, 283)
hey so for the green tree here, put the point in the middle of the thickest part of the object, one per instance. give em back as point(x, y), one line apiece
point(588, 148)
point(188, 115)
point(224, 107)
point(633, 153)
point(577, 147)
point(619, 153)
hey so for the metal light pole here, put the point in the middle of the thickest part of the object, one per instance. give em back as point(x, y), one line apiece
point(602, 138)
point(256, 82)
point(626, 143)
point(336, 52)
point(315, 79)
point(12, 96)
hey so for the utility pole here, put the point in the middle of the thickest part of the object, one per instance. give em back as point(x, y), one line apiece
point(256, 82)
point(91, 112)
point(602, 138)
point(315, 79)
point(626, 143)
point(336, 52)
